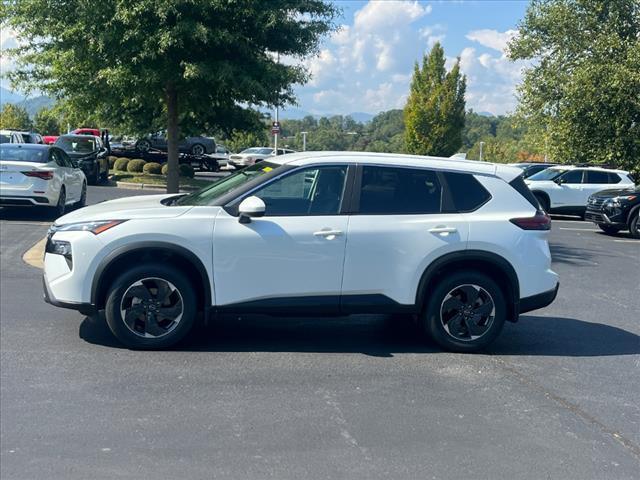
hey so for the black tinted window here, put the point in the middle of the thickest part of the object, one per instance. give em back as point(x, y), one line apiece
point(465, 192)
point(594, 176)
point(521, 187)
point(572, 176)
point(312, 191)
point(614, 178)
point(400, 191)
point(10, 151)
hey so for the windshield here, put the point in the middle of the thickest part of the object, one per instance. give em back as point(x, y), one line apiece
point(4, 138)
point(261, 151)
point(208, 195)
point(548, 174)
point(12, 152)
point(76, 144)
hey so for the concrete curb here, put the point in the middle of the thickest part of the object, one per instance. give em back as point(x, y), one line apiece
point(35, 255)
point(151, 186)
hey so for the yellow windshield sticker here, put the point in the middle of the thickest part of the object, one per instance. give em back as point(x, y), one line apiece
point(267, 169)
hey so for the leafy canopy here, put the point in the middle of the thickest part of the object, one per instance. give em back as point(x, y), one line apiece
point(14, 117)
point(583, 92)
point(435, 110)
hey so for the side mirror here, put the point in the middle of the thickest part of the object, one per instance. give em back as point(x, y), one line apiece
point(251, 207)
point(559, 181)
point(75, 164)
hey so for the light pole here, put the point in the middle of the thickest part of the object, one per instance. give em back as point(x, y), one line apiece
point(481, 144)
point(304, 141)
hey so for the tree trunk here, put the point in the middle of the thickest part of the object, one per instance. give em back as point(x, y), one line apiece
point(173, 174)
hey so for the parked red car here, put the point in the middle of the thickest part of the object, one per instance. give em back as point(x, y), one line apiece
point(49, 139)
point(87, 131)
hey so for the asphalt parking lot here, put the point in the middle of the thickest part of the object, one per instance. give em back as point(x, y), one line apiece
point(362, 397)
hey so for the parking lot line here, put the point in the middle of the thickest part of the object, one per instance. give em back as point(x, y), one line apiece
point(627, 241)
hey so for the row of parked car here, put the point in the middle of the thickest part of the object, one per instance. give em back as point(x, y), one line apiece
point(607, 197)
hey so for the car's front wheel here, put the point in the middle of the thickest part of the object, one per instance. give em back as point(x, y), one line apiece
point(151, 306)
point(465, 311)
point(634, 225)
point(608, 229)
point(61, 206)
point(143, 146)
point(198, 150)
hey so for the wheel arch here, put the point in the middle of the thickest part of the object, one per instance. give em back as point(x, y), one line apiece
point(491, 264)
point(634, 211)
point(117, 261)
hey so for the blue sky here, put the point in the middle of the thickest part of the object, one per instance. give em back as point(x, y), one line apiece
point(366, 66)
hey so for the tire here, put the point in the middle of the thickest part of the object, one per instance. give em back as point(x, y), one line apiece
point(141, 331)
point(198, 150)
point(104, 176)
point(454, 291)
point(634, 225)
point(543, 201)
point(59, 209)
point(143, 146)
point(83, 197)
point(608, 229)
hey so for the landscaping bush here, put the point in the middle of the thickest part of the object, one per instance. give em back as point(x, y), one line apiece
point(136, 166)
point(121, 164)
point(187, 170)
point(152, 168)
point(112, 161)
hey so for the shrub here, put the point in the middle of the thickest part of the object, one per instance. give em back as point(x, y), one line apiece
point(121, 164)
point(136, 166)
point(186, 170)
point(112, 161)
point(153, 168)
point(165, 169)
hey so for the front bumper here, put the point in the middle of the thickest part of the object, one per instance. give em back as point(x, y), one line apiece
point(84, 308)
point(603, 217)
point(540, 300)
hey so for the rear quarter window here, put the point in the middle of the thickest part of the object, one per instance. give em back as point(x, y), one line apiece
point(521, 187)
point(465, 193)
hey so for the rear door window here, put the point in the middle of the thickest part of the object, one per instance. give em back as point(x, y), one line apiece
point(389, 190)
point(572, 176)
point(595, 176)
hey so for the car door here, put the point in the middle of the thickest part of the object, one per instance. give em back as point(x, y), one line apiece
point(74, 178)
point(594, 182)
point(398, 227)
point(64, 174)
point(569, 193)
point(294, 254)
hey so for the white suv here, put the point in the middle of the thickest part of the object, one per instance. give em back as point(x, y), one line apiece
point(460, 244)
point(566, 189)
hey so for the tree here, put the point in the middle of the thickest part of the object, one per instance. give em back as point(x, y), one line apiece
point(434, 114)
point(583, 92)
point(14, 117)
point(46, 122)
point(184, 65)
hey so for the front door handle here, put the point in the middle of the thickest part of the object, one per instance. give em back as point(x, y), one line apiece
point(443, 229)
point(329, 234)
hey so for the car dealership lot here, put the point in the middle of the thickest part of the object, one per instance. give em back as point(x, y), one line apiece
point(361, 397)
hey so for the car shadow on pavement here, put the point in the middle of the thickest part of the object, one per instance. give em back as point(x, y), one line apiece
point(384, 336)
point(30, 214)
point(579, 257)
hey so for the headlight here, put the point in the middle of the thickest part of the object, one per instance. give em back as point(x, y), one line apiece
point(93, 227)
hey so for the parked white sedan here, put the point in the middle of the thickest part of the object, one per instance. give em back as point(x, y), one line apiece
point(40, 175)
point(253, 155)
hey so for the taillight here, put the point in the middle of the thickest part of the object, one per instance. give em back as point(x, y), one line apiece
point(43, 174)
point(540, 221)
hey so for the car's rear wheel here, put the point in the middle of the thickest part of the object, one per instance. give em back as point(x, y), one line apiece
point(143, 146)
point(151, 306)
point(198, 150)
point(60, 207)
point(465, 311)
point(608, 229)
point(634, 225)
point(83, 197)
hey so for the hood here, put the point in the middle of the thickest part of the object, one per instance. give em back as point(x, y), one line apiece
point(143, 206)
point(615, 192)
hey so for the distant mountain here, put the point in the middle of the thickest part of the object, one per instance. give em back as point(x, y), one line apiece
point(7, 96)
point(293, 113)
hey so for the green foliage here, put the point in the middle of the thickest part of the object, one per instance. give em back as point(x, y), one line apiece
point(121, 164)
point(165, 169)
point(582, 95)
point(152, 168)
point(14, 117)
point(136, 166)
point(187, 65)
point(112, 161)
point(46, 122)
point(241, 140)
point(434, 114)
point(186, 170)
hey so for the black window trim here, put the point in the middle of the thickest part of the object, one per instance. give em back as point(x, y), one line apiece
point(447, 199)
point(231, 206)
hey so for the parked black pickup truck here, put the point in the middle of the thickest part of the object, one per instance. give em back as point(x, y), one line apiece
point(615, 210)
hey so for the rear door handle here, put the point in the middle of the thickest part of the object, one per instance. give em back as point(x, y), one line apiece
point(443, 229)
point(328, 233)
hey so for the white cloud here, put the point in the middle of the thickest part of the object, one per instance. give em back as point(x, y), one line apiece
point(433, 34)
point(492, 38)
